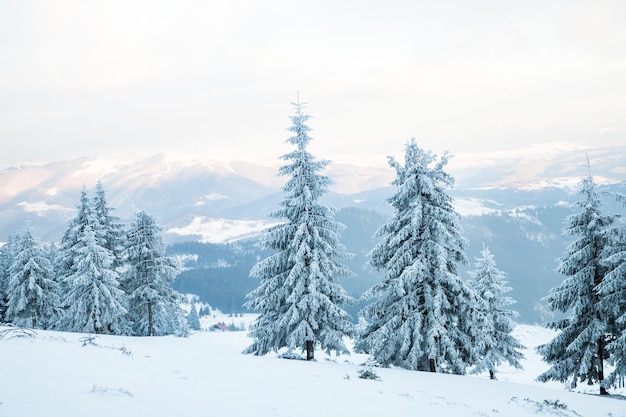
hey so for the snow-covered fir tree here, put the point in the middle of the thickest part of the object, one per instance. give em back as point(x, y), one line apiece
point(112, 234)
point(299, 298)
point(7, 253)
point(578, 352)
point(613, 299)
point(91, 297)
point(499, 344)
point(182, 328)
point(66, 255)
point(154, 305)
point(422, 314)
point(192, 318)
point(32, 298)
point(94, 303)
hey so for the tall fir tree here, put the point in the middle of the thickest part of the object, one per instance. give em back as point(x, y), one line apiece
point(66, 255)
point(578, 352)
point(419, 318)
point(299, 298)
point(153, 304)
point(92, 299)
point(32, 298)
point(112, 234)
point(613, 298)
point(499, 344)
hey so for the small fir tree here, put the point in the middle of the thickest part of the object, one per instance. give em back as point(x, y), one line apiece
point(499, 344)
point(182, 327)
point(579, 350)
point(420, 316)
point(32, 298)
point(192, 318)
point(153, 304)
point(299, 298)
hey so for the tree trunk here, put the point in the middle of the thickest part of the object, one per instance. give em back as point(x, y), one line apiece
point(150, 321)
point(603, 390)
point(597, 280)
point(492, 374)
point(433, 366)
point(96, 329)
point(310, 355)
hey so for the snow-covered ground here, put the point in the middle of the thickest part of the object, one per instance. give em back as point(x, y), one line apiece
point(64, 374)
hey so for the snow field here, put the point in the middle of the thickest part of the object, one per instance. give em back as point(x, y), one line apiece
point(53, 374)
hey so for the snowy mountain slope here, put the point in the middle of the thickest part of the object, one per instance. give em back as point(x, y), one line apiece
point(181, 189)
point(174, 190)
point(67, 374)
point(521, 228)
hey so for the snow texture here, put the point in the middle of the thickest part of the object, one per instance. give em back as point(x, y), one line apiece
point(56, 374)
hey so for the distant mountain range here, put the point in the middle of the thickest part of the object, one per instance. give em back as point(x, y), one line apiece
point(192, 198)
point(217, 201)
point(515, 203)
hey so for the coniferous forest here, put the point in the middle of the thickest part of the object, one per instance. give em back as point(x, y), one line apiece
point(99, 279)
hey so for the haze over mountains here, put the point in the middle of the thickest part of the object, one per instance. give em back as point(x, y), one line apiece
point(514, 202)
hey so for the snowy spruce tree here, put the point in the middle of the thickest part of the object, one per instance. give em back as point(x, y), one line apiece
point(422, 314)
point(91, 298)
point(299, 298)
point(499, 345)
point(7, 254)
point(112, 232)
point(578, 351)
point(612, 293)
point(182, 327)
point(66, 254)
point(154, 305)
point(192, 318)
point(32, 298)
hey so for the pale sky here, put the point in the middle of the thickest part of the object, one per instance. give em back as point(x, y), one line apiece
point(216, 78)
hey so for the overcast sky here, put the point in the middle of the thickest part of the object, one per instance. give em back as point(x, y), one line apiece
point(216, 78)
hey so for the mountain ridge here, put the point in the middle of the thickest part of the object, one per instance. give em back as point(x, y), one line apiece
point(180, 189)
